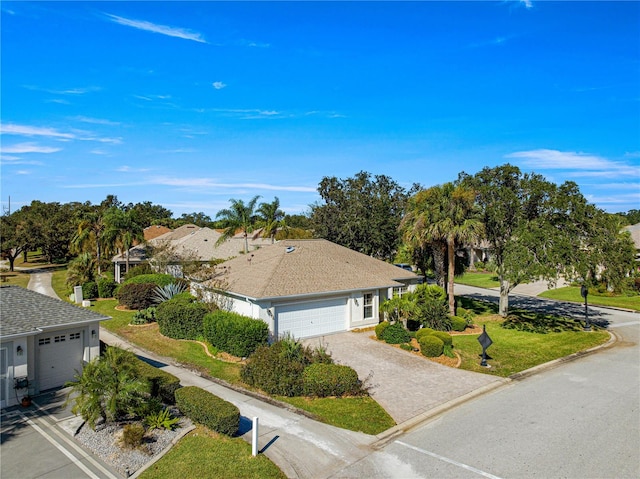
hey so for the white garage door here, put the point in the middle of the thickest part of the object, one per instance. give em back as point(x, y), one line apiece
point(59, 356)
point(303, 320)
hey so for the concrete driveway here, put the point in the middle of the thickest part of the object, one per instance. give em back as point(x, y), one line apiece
point(404, 384)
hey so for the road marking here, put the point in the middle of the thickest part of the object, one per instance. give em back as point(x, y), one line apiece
point(64, 450)
point(446, 459)
point(619, 325)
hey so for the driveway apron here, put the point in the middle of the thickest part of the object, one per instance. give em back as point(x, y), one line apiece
point(403, 383)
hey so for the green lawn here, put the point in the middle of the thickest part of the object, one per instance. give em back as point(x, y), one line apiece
point(572, 293)
point(514, 351)
point(480, 280)
point(347, 413)
point(15, 278)
point(207, 455)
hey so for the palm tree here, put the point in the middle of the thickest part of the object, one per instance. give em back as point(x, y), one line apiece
point(122, 231)
point(238, 217)
point(108, 387)
point(271, 217)
point(89, 235)
point(445, 215)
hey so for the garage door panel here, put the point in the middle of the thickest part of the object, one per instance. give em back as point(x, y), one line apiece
point(59, 356)
point(303, 320)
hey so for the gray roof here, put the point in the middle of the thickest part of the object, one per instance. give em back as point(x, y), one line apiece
point(307, 267)
point(25, 312)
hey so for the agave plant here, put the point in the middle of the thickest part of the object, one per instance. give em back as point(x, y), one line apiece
point(168, 291)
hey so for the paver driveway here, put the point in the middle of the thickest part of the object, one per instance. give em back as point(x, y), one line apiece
point(404, 384)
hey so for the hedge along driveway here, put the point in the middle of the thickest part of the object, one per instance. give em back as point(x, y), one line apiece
point(404, 384)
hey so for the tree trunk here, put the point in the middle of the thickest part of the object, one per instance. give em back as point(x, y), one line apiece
point(450, 275)
point(503, 308)
point(439, 253)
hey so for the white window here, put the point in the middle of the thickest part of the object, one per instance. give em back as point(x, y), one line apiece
point(367, 306)
point(400, 290)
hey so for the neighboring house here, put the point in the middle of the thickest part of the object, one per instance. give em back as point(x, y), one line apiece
point(43, 342)
point(153, 231)
point(187, 241)
point(309, 287)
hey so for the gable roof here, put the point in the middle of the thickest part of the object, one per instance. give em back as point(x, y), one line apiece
point(26, 312)
point(153, 231)
point(306, 267)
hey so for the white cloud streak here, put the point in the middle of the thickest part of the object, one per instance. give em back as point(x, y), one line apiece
point(579, 164)
point(211, 183)
point(25, 130)
point(155, 28)
point(29, 148)
point(218, 85)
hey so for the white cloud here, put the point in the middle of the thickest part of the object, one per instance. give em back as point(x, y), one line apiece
point(96, 121)
point(25, 130)
point(161, 29)
point(29, 148)
point(581, 164)
point(218, 85)
point(210, 183)
point(128, 169)
point(527, 3)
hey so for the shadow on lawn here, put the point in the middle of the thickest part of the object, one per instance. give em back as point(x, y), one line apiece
point(535, 305)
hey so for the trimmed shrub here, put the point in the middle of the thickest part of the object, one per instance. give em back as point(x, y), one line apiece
point(90, 290)
point(444, 337)
point(162, 385)
point(276, 369)
point(106, 287)
point(406, 347)
point(144, 316)
point(208, 409)
point(381, 327)
point(458, 323)
point(323, 380)
point(158, 279)
point(179, 319)
point(396, 334)
point(233, 333)
point(423, 332)
point(136, 296)
point(431, 346)
point(132, 435)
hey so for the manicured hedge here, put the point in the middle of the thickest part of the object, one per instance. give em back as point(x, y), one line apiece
point(396, 334)
point(162, 384)
point(106, 287)
point(89, 290)
point(458, 323)
point(444, 337)
point(323, 380)
point(380, 328)
point(156, 278)
point(423, 332)
point(136, 296)
point(179, 319)
point(273, 370)
point(431, 346)
point(208, 409)
point(235, 334)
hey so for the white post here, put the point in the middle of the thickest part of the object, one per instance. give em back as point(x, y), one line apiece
point(254, 437)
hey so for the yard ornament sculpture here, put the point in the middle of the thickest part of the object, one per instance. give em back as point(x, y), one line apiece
point(485, 341)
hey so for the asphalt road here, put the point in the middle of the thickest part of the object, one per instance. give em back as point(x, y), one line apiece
point(579, 420)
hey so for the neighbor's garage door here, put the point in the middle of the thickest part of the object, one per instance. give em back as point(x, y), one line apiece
point(59, 356)
point(303, 320)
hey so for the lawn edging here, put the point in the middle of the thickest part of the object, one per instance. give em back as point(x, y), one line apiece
point(157, 457)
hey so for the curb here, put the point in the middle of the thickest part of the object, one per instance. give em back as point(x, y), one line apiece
point(163, 452)
point(385, 437)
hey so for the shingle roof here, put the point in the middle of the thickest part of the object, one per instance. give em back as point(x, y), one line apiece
point(635, 233)
point(303, 267)
point(23, 311)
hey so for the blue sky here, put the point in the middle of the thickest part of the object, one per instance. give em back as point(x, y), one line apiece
point(189, 104)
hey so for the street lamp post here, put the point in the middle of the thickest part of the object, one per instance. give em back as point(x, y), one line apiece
point(584, 291)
